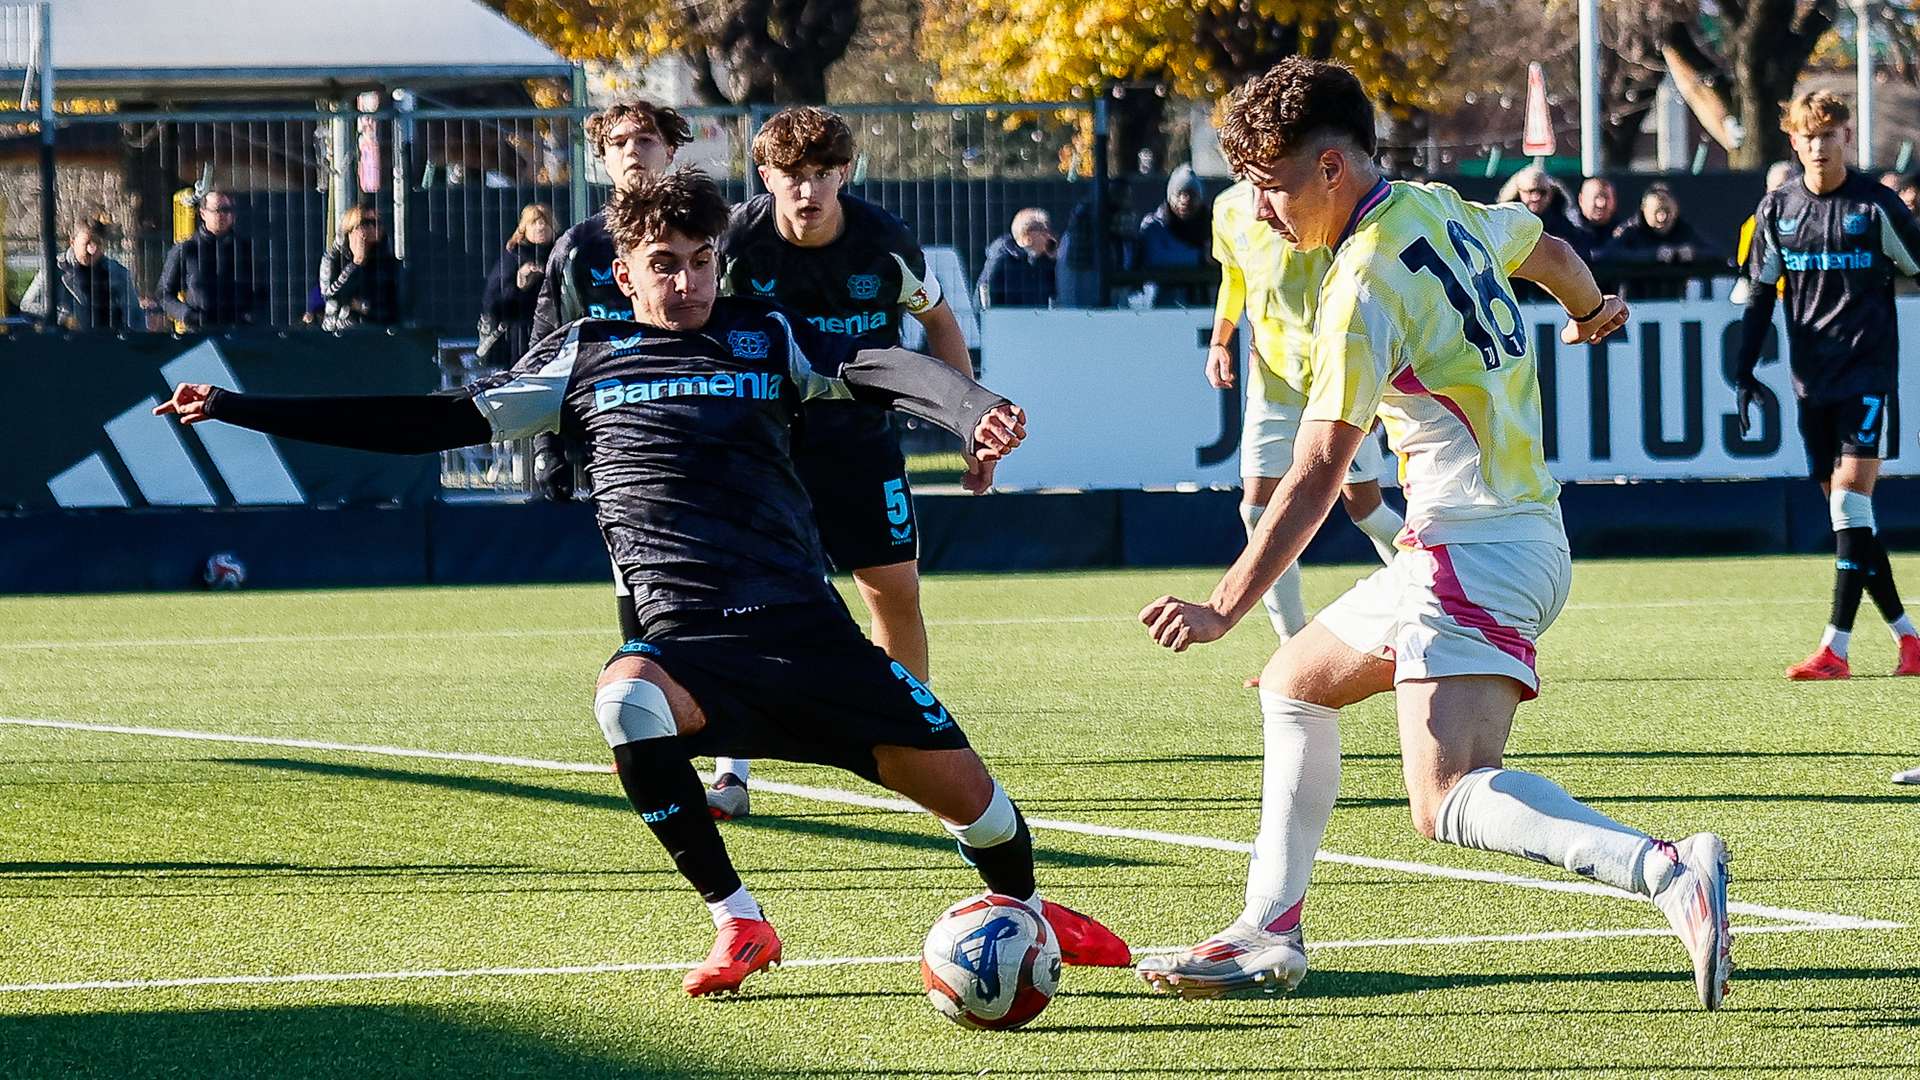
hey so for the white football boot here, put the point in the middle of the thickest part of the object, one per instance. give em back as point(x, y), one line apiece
point(727, 799)
point(1694, 900)
point(1239, 958)
point(1911, 776)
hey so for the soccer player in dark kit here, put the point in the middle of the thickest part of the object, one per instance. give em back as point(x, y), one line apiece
point(633, 140)
point(1836, 238)
point(745, 648)
point(846, 266)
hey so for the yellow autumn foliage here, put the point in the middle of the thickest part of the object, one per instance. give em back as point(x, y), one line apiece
point(1066, 49)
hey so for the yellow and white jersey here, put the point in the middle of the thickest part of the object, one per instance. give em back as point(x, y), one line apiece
point(1417, 324)
point(1276, 286)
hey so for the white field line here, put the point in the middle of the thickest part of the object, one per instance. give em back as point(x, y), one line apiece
point(806, 962)
point(607, 632)
point(1810, 919)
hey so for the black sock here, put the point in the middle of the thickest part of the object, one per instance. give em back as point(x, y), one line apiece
point(1853, 555)
point(629, 618)
point(1880, 586)
point(1007, 868)
point(663, 787)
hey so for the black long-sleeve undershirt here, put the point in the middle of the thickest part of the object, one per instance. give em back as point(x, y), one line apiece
point(387, 424)
point(921, 387)
point(1755, 322)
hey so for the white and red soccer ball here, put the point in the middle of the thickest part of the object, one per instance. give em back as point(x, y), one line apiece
point(990, 962)
point(224, 571)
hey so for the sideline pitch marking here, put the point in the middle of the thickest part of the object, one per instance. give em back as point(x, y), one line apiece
point(1798, 920)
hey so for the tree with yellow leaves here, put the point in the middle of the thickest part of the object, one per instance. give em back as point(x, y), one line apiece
point(1197, 49)
point(740, 51)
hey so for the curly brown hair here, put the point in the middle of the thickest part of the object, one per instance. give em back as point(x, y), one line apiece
point(686, 201)
point(1297, 99)
point(803, 135)
point(665, 122)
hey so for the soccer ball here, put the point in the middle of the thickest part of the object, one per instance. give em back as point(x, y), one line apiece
point(224, 571)
point(990, 962)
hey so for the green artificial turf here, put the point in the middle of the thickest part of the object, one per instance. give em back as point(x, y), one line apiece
point(131, 857)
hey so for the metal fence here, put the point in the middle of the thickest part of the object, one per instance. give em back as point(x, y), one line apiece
point(450, 184)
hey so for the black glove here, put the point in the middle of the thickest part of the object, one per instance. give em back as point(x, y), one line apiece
point(552, 472)
point(1747, 393)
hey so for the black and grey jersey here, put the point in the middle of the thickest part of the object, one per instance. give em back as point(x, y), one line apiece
point(579, 282)
point(863, 283)
point(1838, 254)
point(687, 436)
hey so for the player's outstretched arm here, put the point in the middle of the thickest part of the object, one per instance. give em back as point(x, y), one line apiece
point(1556, 267)
point(390, 424)
point(1298, 507)
point(920, 386)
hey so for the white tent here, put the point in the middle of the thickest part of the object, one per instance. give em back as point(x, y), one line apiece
point(252, 46)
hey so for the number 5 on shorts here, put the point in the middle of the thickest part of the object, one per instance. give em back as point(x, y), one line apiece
point(898, 509)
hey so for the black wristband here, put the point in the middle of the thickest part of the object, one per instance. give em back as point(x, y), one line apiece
point(1596, 310)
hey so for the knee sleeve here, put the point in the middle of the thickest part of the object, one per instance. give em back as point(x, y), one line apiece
point(1850, 510)
point(632, 710)
point(996, 825)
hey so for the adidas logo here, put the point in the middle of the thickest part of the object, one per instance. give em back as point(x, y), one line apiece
point(153, 453)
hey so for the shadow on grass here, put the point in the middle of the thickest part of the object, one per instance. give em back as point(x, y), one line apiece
point(1717, 756)
point(794, 826)
point(331, 1040)
point(82, 869)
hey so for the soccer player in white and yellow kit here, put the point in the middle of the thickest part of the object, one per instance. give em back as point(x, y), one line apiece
point(1277, 287)
point(1417, 325)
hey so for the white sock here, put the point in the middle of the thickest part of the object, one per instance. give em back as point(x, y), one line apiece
point(1298, 783)
point(1286, 608)
point(740, 905)
point(1381, 527)
point(1837, 640)
point(735, 765)
point(1902, 627)
point(1523, 814)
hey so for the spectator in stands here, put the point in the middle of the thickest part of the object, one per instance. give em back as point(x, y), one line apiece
point(211, 278)
point(1778, 174)
point(1659, 236)
point(1073, 265)
point(91, 291)
point(1597, 214)
point(1177, 236)
point(513, 288)
point(1020, 265)
point(359, 276)
point(1532, 188)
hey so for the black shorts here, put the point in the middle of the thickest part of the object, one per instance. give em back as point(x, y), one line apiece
point(796, 682)
point(861, 500)
point(1853, 427)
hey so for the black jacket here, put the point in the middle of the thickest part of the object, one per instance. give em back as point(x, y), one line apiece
point(1636, 244)
point(1014, 277)
point(509, 305)
point(364, 294)
point(213, 280)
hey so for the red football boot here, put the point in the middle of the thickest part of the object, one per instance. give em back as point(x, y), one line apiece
point(742, 947)
point(1909, 656)
point(1824, 664)
point(1083, 941)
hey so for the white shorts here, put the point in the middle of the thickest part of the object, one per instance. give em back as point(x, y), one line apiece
point(1456, 609)
point(1272, 428)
